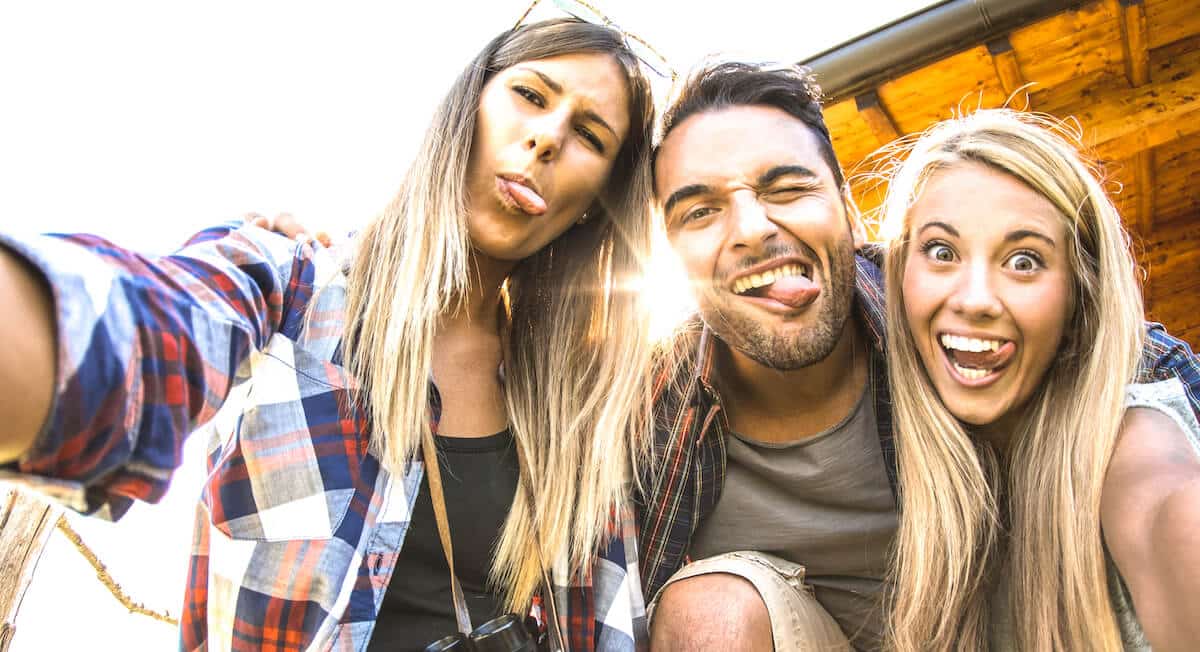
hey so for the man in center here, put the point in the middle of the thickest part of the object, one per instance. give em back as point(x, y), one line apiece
point(775, 473)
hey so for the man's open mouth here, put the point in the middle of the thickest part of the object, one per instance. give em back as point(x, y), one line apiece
point(788, 287)
point(757, 285)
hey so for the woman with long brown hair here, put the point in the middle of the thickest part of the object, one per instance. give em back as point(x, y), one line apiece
point(482, 314)
point(1049, 458)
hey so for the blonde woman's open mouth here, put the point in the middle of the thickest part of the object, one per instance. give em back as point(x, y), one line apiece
point(976, 361)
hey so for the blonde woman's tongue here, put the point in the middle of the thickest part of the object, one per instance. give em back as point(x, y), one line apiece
point(983, 359)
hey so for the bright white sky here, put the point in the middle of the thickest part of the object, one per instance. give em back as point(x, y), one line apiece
point(146, 120)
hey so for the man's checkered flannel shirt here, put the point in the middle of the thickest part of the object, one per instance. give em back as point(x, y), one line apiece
point(298, 528)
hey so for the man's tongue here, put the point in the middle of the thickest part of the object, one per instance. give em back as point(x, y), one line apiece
point(794, 291)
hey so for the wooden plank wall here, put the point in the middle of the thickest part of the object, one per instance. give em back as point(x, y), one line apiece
point(1128, 71)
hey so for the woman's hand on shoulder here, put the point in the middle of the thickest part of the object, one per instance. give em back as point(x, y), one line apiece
point(1150, 513)
point(288, 226)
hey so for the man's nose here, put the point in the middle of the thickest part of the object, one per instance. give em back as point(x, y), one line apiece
point(752, 227)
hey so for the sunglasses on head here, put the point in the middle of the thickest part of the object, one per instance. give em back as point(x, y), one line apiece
point(645, 53)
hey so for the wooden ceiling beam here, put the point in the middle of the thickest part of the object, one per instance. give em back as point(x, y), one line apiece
point(876, 117)
point(1155, 134)
point(1152, 114)
point(1004, 58)
point(1144, 172)
point(1135, 39)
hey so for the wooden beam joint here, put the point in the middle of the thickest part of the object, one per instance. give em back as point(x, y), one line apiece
point(1149, 116)
point(1135, 41)
point(1146, 191)
point(1004, 58)
point(876, 117)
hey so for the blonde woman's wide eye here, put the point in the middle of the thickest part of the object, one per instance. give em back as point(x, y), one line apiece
point(939, 252)
point(1024, 263)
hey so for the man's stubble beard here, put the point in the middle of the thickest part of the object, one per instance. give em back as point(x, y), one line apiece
point(743, 333)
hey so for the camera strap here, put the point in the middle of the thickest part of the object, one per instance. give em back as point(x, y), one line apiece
point(434, 474)
point(552, 624)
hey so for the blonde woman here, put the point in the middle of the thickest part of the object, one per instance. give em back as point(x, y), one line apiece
point(484, 306)
point(1039, 512)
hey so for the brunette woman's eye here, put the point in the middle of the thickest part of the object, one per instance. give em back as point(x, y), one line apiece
point(530, 95)
point(939, 252)
point(591, 138)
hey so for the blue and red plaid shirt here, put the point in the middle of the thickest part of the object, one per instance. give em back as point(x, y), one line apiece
point(299, 526)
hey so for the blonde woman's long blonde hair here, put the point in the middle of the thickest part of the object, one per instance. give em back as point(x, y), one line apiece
point(575, 347)
point(1033, 513)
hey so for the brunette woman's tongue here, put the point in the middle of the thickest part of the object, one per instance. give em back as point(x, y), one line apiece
point(795, 291)
point(529, 201)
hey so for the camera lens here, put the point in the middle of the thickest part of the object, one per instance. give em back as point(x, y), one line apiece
point(504, 634)
point(451, 643)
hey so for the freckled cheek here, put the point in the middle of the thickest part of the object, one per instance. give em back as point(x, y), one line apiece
point(497, 127)
point(1042, 317)
point(589, 183)
point(923, 294)
point(578, 180)
point(916, 292)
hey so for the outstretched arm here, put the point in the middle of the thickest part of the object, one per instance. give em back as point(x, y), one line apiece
point(1150, 512)
point(27, 356)
point(142, 350)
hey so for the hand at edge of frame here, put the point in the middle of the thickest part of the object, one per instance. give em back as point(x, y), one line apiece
point(288, 226)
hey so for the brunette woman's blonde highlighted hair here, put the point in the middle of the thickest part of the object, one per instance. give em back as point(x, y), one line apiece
point(575, 349)
point(969, 513)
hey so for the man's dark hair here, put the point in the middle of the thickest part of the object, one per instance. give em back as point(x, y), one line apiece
point(790, 89)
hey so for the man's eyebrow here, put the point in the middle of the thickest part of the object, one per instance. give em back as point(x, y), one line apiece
point(684, 193)
point(554, 86)
point(1021, 234)
point(774, 173)
point(942, 225)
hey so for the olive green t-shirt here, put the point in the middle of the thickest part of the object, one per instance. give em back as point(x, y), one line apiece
point(825, 503)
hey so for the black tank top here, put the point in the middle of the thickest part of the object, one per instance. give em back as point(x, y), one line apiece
point(479, 479)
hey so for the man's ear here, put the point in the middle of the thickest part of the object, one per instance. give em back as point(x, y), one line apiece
point(854, 218)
